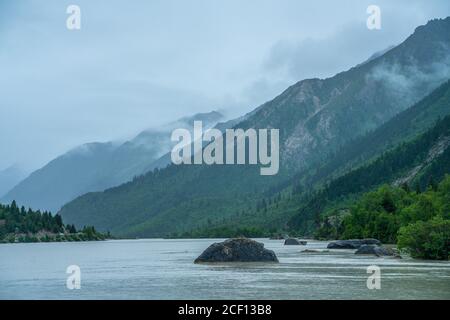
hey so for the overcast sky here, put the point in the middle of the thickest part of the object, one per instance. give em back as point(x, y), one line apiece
point(138, 64)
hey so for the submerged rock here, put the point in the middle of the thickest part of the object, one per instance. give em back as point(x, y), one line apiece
point(314, 251)
point(352, 244)
point(293, 241)
point(237, 250)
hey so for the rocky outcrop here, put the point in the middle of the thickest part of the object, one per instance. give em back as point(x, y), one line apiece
point(376, 250)
point(237, 250)
point(293, 241)
point(352, 244)
point(435, 151)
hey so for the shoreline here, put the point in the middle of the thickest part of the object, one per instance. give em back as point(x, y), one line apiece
point(51, 237)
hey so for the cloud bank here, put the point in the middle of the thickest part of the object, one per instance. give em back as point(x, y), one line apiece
point(136, 66)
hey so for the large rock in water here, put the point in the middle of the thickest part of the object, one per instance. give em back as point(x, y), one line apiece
point(237, 250)
point(376, 250)
point(352, 244)
point(293, 241)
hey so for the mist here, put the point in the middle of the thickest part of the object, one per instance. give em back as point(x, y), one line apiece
point(135, 67)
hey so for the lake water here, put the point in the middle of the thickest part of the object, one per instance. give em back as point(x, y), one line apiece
point(164, 269)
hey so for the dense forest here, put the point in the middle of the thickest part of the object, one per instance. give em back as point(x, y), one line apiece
point(418, 221)
point(419, 160)
point(21, 225)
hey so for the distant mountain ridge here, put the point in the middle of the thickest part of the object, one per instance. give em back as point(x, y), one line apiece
point(304, 198)
point(98, 166)
point(316, 118)
point(9, 177)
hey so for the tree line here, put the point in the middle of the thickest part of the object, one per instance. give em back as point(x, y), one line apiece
point(25, 225)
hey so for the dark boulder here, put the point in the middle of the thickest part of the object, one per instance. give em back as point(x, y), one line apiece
point(293, 241)
point(352, 244)
point(375, 250)
point(237, 250)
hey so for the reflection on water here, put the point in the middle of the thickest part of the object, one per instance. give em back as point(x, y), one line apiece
point(164, 269)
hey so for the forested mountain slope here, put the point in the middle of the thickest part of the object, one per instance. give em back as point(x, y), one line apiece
point(289, 198)
point(413, 163)
point(315, 117)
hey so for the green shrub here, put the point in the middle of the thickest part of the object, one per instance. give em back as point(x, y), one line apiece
point(426, 240)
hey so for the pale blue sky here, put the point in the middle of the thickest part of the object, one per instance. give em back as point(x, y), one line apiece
point(138, 64)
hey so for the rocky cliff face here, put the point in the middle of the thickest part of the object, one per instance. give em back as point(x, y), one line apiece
point(316, 116)
point(436, 150)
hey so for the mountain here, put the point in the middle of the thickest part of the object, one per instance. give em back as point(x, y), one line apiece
point(377, 54)
point(9, 177)
point(413, 163)
point(403, 127)
point(98, 166)
point(316, 118)
point(302, 198)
